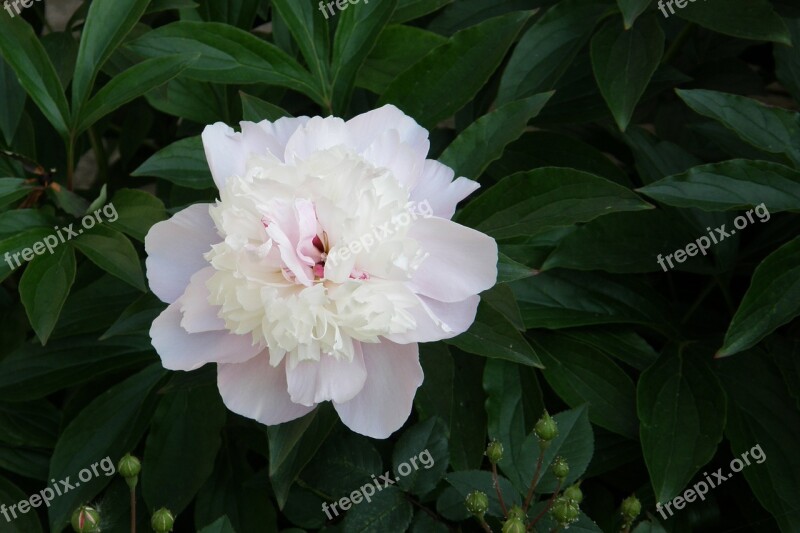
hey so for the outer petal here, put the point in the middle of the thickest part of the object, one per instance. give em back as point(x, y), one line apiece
point(437, 187)
point(367, 127)
point(462, 261)
point(312, 382)
point(180, 350)
point(439, 320)
point(175, 249)
point(317, 134)
point(199, 315)
point(257, 390)
point(228, 151)
point(384, 404)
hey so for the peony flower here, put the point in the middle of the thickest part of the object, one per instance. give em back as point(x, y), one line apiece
point(329, 255)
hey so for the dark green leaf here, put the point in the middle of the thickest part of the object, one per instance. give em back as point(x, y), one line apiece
point(582, 375)
point(13, 189)
point(33, 424)
point(104, 431)
point(770, 129)
point(450, 76)
point(547, 48)
point(228, 54)
point(631, 9)
point(679, 395)
point(747, 19)
point(773, 299)
point(624, 62)
point(492, 335)
point(471, 480)
point(388, 512)
point(14, 104)
point(356, 34)
point(485, 140)
point(534, 202)
point(255, 110)
point(24, 522)
point(182, 162)
point(136, 212)
point(398, 48)
point(731, 185)
point(764, 421)
point(34, 372)
point(223, 525)
point(113, 252)
point(421, 456)
point(130, 85)
point(414, 9)
point(181, 447)
point(561, 299)
point(23, 51)
point(107, 24)
point(44, 288)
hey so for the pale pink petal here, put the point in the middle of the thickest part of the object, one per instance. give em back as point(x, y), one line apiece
point(228, 151)
point(366, 128)
point(384, 404)
point(180, 350)
point(257, 390)
point(312, 382)
point(436, 185)
point(175, 249)
point(316, 135)
point(439, 320)
point(199, 315)
point(462, 261)
point(405, 161)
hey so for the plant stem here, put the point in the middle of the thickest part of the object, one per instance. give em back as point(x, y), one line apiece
point(496, 483)
point(133, 509)
point(546, 507)
point(535, 480)
point(485, 526)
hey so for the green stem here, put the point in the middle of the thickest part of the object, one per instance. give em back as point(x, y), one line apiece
point(496, 483)
point(133, 509)
point(535, 480)
point(70, 161)
point(548, 506)
point(100, 155)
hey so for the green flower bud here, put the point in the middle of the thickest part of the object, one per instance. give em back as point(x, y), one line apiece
point(494, 451)
point(546, 428)
point(560, 468)
point(514, 525)
point(162, 521)
point(516, 512)
point(564, 511)
point(574, 493)
point(85, 519)
point(477, 503)
point(129, 468)
point(631, 507)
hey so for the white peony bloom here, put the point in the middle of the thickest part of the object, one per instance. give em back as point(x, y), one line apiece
point(329, 255)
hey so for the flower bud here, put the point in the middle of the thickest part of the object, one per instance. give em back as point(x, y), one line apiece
point(129, 468)
point(560, 468)
point(477, 503)
point(162, 521)
point(494, 451)
point(85, 519)
point(517, 513)
point(631, 507)
point(564, 511)
point(574, 493)
point(514, 525)
point(546, 428)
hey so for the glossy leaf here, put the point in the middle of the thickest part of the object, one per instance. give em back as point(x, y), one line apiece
point(44, 288)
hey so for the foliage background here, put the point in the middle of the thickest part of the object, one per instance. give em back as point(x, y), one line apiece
point(603, 134)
